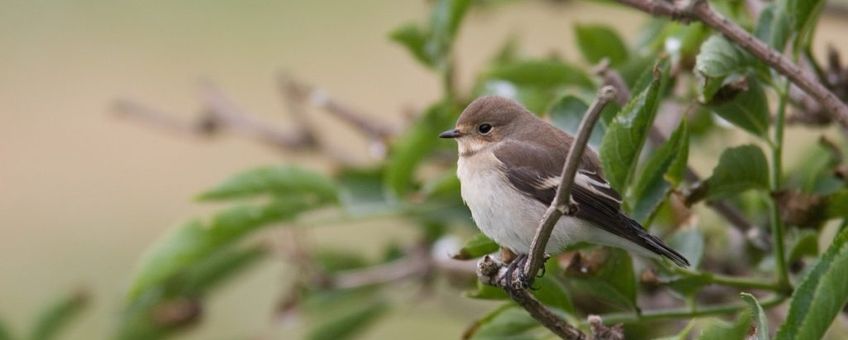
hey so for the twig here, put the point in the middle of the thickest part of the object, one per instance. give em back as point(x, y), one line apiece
point(700, 10)
point(561, 202)
point(547, 318)
point(687, 312)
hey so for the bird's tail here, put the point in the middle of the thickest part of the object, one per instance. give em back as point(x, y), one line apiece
point(655, 245)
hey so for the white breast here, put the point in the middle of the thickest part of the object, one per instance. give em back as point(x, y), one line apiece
point(510, 218)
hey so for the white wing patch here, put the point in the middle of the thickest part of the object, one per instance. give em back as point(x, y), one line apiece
point(586, 179)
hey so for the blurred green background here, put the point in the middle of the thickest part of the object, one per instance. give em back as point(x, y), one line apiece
point(82, 194)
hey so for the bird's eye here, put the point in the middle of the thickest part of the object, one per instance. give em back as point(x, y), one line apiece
point(485, 128)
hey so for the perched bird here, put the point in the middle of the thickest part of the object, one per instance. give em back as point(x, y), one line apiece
point(509, 168)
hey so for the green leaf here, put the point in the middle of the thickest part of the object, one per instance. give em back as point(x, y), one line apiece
point(837, 204)
point(806, 244)
point(540, 73)
point(432, 45)
point(739, 169)
point(747, 109)
point(626, 135)
point(361, 191)
point(278, 181)
point(568, 112)
point(598, 41)
point(477, 246)
point(663, 169)
point(409, 149)
point(773, 27)
point(508, 323)
point(720, 330)
point(690, 243)
point(414, 39)
point(551, 291)
point(5, 333)
point(759, 316)
point(821, 294)
point(194, 241)
point(349, 322)
point(718, 62)
point(219, 267)
point(58, 315)
point(614, 281)
point(802, 14)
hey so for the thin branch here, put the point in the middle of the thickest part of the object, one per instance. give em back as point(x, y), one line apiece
point(547, 318)
point(561, 202)
point(700, 10)
point(687, 312)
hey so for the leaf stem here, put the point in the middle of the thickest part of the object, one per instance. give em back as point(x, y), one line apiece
point(776, 174)
point(731, 281)
point(684, 313)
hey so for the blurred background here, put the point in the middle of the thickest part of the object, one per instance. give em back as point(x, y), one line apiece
point(83, 193)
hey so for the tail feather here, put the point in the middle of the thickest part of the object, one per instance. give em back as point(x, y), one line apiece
point(655, 245)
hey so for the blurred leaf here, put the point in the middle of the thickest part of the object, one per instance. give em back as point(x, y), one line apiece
point(814, 172)
point(802, 15)
point(333, 260)
point(759, 317)
point(361, 191)
point(806, 244)
point(614, 281)
point(219, 267)
point(720, 330)
point(837, 204)
point(683, 334)
point(821, 294)
point(718, 62)
point(58, 315)
point(689, 284)
point(568, 112)
point(739, 169)
point(445, 186)
point(280, 181)
point(511, 323)
point(477, 246)
point(541, 73)
point(773, 27)
point(599, 41)
point(194, 241)
point(349, 322)
point(626, 135)
point(486, 292)
point(663, 169)
point(550, 291)
point(747, 109)
point(409, 149)
point(5, 333)
point(432, 45)
point(690, 243)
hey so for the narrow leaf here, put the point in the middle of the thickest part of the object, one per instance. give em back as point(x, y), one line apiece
point(821, 295)
point(219, 267)
point(759, 317)
point(598, 41)
point(663, 169)
point(739, 169)
point(285, 181)
point(626, 135)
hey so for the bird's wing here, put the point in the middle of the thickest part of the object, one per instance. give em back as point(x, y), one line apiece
point(535, 171)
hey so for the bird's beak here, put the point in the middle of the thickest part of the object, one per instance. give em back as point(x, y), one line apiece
point(450, 134)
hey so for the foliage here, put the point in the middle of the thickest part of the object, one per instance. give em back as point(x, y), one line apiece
point(691, 84)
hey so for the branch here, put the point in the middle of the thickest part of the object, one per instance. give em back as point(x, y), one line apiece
point(700, 10)
point(560, 204)
point(686, 313)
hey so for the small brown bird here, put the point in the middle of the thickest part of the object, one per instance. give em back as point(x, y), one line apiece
point(510, 163)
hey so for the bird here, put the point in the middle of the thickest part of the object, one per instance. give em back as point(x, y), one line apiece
point(509, 167)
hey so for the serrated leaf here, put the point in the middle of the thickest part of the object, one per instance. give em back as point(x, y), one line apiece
point(58, 315)
point(821, 294)
point(409, 149)
point(192, 242)
point(511, 323)
point(759, 317)
point(739, 169)
point(598, 41)
point(349, 322)
point(690, 243)
point(663, 170)
point(718, 61)
point(747, 109)
point(540, 73)
point(278, 181)
point(626, 135)
point(568, 112)
point(475, 247)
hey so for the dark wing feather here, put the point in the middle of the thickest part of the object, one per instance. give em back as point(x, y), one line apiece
point(533, 171)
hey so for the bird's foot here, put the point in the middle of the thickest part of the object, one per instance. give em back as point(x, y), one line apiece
point(515, 277)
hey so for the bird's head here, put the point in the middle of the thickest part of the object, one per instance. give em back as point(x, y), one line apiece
point(488, 120)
